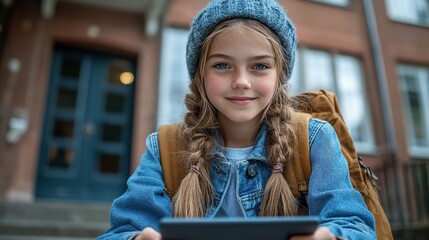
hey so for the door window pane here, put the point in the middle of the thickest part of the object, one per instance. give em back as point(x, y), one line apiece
point(70, 68)
point(67, 98)
point(63, 128)
point(111, 133)
point(115, 103)
point(120, 73)
point(108, 163)
point(60, 157)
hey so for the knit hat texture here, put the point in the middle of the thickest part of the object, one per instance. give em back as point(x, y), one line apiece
point(268, 12)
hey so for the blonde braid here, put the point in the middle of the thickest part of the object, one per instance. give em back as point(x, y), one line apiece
point(278, 198)
point(195, 193)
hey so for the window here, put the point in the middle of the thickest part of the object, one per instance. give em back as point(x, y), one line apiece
point(341, 74)
point(343, 3)
point(174, 77)
point(409, 11)
point(414, 87)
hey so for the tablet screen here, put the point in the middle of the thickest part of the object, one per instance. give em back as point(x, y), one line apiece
point(223, 228)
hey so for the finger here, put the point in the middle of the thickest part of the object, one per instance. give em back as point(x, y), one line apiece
point(323, 233)
point(148, 234)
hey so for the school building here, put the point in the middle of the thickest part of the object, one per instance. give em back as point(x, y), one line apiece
point(83, 82)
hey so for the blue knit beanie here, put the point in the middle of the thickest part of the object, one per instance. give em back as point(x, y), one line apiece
point(268, 12)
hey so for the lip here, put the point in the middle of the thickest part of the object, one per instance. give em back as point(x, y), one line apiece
point(238, 100)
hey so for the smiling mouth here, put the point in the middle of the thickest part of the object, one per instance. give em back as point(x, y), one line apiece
point(240, 100)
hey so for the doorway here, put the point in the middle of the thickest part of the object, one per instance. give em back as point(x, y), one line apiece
point(85, 147)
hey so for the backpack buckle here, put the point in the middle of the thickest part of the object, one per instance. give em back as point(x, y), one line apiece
point(369, 173)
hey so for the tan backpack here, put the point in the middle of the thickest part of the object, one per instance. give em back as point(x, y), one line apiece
point(321, 104)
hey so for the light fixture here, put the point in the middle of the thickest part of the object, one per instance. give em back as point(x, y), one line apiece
point(126, 78)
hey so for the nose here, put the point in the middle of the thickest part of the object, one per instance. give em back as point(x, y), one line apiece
point(241, 80)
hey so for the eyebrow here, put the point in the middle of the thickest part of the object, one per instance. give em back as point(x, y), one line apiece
point(220, 55)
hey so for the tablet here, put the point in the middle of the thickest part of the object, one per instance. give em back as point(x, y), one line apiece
point(224, 228)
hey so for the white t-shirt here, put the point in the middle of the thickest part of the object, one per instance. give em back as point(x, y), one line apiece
point(230, 206)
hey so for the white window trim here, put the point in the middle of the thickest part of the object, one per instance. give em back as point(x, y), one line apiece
point(346, 4)
point(422, 81)
point(172, 83)
point(367, 147)
point(395, 14)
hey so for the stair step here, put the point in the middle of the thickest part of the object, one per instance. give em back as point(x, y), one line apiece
point(56, 219)
point(14, 237)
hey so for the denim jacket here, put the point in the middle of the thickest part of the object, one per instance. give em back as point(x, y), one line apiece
point(331, 196)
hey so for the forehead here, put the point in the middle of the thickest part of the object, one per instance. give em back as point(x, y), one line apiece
point(241, 36)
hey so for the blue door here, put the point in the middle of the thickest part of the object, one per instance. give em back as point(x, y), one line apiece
point(85, 147)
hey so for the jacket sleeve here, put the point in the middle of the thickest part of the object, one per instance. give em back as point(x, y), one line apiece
point(331, 196)
point(145, 202)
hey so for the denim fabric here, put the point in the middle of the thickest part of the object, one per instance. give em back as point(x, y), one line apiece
point(331, 195)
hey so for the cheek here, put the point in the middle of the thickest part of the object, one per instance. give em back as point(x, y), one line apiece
point(266, 87)
point(213, 87)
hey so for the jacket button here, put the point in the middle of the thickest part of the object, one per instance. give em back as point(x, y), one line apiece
point(251, 171)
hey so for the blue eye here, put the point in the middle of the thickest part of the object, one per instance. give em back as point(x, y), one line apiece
point(260, 66)
point(221, 66)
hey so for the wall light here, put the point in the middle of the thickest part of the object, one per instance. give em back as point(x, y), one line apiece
point(126, 78)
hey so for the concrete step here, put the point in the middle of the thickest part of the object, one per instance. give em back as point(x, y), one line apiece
point(14, 237)
point(39, 220)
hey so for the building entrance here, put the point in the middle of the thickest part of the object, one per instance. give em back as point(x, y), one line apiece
point(85, 147)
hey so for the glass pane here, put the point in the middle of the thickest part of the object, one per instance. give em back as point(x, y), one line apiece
point(404, 10)
point(318, 70)
point(335, 2)
point(70, 67)
point(413, 98)
point(67, 98)
point(108, 163)
point(416, 11)
point(173, 76)
point(352, 96)
point(120, 73)
point(296, 85)
point(422, 7)
point(59, 157)
point(63, 128)
point(112, 133)
point(115, 103)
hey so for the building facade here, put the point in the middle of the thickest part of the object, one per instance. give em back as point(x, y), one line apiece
point(83, 82)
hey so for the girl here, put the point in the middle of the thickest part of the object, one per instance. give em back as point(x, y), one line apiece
point(240, 54)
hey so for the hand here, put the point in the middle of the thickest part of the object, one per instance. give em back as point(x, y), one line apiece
point(322, 233)
point(148, 233)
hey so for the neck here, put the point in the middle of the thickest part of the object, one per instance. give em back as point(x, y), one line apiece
point(239, 135)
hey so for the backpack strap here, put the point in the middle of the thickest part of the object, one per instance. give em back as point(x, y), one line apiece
point(301, 166)
point(169, 139)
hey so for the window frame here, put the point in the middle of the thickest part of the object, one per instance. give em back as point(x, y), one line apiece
point(394, 15)
point(349, 4)
point(422, 75)
point(173, 79)
point(298, 77)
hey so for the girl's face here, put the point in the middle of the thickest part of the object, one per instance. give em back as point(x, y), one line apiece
point(240, 75)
